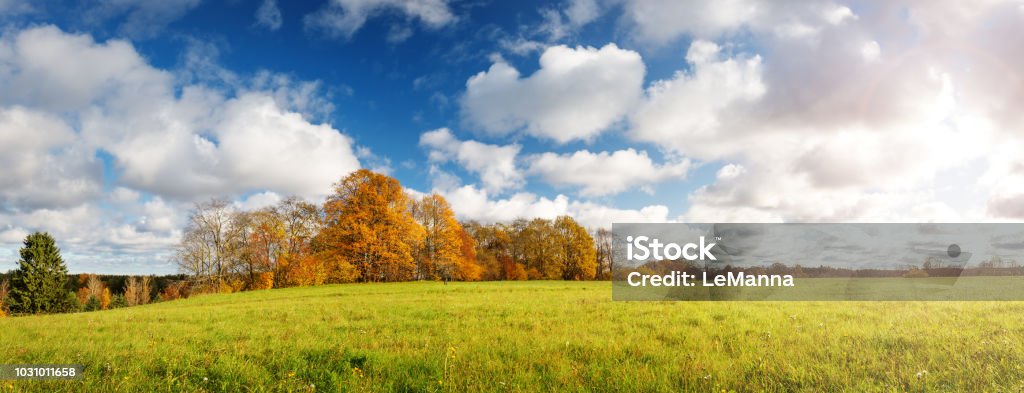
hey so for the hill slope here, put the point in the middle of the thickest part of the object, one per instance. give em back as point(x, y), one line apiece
point(520, 336)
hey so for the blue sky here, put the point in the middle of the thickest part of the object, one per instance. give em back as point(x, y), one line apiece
point(119, 115)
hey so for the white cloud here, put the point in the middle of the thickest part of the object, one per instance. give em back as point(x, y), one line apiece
point(122, 195)
point(140, 18)
point(43, 161)
point(264, 146)
point(14, 7)
point(560, 23)
point(495, 165)
point(576, 94)
point(604, 173)
point(170, 141)
point(471, 203)
point(581, 12)
point(92, 240)
point(343, 18)
point(871, 51)
point(685, 112)
point(839, 131)
point(186, 145)
point(521, 46)
point(36, 70)
point(661, 21)
point(258, 201)
point(268, 15)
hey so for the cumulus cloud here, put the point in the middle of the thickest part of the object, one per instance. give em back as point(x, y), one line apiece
point(661, 22)
point(835, 128)
point(817, 112)
point(686, 112)
point(495, 165)
point(199, 142)
point(576, 94)
point(604, 173)
point(268, 15)
point(40, 153)
point(471, 203)
point(170, 142)
point(343, 18)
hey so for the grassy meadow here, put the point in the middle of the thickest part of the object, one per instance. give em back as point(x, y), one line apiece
point(521, 336)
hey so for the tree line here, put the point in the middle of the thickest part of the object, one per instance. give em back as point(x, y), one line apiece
point(369, 229)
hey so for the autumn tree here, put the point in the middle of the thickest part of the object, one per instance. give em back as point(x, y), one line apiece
point(212, 245)
point(131, 291)
point(368, 230)
point(205, 250)
point(539, 245)
point(576, 252)
point(92, 290)
point(468, 268)
point(439, 255)
point(137, 290)
point(265, 246)
point(105, 299)
point(297, 265)
point(37, 286)
point(492, 246)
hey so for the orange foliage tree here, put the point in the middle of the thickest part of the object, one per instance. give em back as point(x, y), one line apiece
point(93, 287)
point(368, 230)
point(441, 253)
point(468, 267)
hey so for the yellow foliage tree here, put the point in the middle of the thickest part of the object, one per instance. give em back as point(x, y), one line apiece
point(105, 298)
point(439, 254)
point(576, 250)
point(368, 227)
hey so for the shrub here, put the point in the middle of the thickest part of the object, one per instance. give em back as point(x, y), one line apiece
point(173, 291)
point(264, 280)
point(118, 301)
point(92, 305)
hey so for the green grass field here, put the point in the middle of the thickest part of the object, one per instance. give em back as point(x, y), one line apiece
point(521, 336)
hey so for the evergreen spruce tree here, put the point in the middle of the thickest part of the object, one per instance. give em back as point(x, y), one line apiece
point(38, 284)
